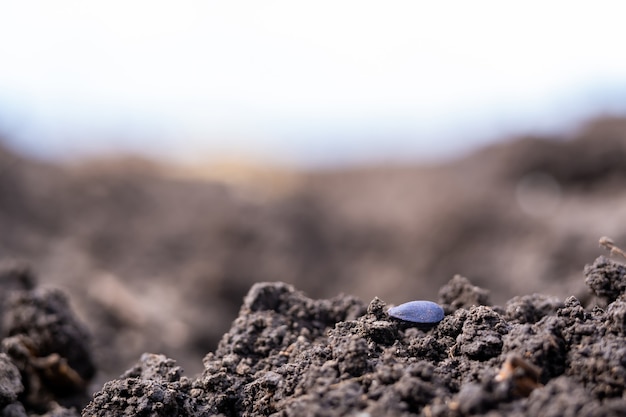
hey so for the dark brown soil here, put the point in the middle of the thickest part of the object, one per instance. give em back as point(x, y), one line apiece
point(45, 358)
point(288, 355)
point(159, 263)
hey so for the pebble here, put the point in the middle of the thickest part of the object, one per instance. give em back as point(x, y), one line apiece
point(425, 312)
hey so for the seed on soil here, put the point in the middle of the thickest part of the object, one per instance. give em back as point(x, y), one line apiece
point(424, 312)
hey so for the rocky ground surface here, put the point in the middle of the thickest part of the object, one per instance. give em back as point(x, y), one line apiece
point(149, 260)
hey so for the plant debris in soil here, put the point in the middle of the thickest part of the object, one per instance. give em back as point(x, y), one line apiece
point(289, 355)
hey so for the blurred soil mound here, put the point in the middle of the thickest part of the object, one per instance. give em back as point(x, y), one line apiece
point(45, 354)
point(157, 261)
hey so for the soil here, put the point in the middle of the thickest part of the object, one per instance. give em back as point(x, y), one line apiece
point(122, 257)
point(289, 355)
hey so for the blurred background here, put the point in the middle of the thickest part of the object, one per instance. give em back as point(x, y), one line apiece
point(158, 159)
point(314, 84)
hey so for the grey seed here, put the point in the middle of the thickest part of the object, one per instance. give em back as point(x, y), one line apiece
point(425, 312)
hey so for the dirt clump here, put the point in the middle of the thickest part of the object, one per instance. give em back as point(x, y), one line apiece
point(45, 355)
point(289, 355)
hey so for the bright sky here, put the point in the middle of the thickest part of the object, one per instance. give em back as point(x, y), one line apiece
point(314, 82)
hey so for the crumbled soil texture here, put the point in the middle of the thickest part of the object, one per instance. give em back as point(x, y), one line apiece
point(158, 262)
point(289, 355)
point(45, 355)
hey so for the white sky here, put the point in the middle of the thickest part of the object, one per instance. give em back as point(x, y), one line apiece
point(311, 81)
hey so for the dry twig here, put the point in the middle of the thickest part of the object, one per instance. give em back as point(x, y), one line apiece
point(608, 244)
